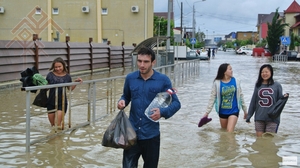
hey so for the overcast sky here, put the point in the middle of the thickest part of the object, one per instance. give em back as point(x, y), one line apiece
point(220, 17)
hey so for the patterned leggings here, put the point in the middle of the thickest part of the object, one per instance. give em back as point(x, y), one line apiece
point(264, 126)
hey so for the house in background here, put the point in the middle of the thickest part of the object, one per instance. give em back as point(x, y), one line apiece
point(246, 35)
point(177, 31)
point(290, 16)
point(262, 25)
point(230, 37)
point(296, 27)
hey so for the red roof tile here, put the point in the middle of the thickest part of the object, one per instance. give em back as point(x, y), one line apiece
point(293, 8)
point(295, 25)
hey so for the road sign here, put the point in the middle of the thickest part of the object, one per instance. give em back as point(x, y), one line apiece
point(193, 40)
point(285, 40)
point(217, 39)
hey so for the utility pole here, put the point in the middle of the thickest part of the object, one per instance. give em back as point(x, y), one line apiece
point(181, 23)
point(194, 23)
point(170, 4)
point(193, 34)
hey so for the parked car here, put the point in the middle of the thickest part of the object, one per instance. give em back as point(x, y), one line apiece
point(292, 55)
point(298, 57)
point(245, 51)
point(194, 55)
point(229, 50)
point(259, 51)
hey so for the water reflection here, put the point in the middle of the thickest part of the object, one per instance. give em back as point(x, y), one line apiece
point(263, 153)
point(227, 148)
point(183, 144)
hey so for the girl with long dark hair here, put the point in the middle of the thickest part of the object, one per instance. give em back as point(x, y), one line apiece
point(227, 97)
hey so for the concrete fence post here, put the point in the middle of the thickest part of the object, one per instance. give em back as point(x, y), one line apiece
point(123, 55)
point(35, 37)
point(91, 54)
point(68, 53)
point(109, 56)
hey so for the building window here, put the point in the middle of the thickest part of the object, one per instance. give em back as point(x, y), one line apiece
point(104, 40)
point(38, 11)
point(298, 32)
point(245, 35)
point(104, 11)
point(55, 11)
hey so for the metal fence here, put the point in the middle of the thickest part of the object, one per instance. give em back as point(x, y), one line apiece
point(99, 97)
point(280, 58)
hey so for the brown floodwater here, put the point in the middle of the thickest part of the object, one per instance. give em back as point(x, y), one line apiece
point(183, 144)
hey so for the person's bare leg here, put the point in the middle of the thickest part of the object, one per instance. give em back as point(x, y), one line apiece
point(259, 134)
point(223, 123)
point(59, 118)
point(51, 117)
point(232, 120)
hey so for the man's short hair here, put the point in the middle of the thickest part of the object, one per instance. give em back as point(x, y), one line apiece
point(147, 51)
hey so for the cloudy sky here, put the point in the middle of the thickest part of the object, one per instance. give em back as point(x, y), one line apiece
point(220, 17)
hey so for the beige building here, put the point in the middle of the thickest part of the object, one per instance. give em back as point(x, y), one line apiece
point(117, 21)
point(292, 18)
point(246, 35)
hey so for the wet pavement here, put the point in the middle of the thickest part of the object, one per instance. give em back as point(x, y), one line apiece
point(183, 144)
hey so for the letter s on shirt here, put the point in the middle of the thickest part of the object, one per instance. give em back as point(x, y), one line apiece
point(265, 98)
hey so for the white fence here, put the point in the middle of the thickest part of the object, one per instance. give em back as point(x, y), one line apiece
point(280, 58)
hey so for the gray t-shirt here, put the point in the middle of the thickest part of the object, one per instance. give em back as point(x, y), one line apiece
point(263, 98)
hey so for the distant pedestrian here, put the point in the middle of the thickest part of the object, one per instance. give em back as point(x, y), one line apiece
point(213, 53)
point(198, 52)
point(266, 93)
point(227, 96)
point(208, 53)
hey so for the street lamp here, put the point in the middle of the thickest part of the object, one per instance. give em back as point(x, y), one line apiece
point(194, 23)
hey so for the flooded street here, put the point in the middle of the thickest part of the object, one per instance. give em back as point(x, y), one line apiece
point(183, 144)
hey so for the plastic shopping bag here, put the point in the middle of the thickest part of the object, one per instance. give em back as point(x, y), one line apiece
point(41, 99)
point(120, 133)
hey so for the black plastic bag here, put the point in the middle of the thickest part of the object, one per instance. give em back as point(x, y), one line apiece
point(120, 133)
point(26, 77)
point(29, 72)
point(41, 98)
point(276, 110)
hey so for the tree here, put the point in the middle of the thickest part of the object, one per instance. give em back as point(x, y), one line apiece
point(292, 45)
point(262, 43)
point(160, 27)
point(275, 31)
point(297, 41)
